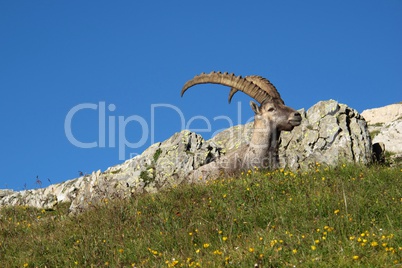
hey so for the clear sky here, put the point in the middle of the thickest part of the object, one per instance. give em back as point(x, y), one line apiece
point(87, 84)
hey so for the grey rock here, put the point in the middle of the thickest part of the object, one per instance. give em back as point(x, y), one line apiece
point(385, 126)
point(390, 134)
point(330, 133)
point(162, 165)
point(5, 192)
point(383, 115)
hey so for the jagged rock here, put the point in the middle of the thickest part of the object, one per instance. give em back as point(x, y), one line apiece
point(385, 127)
point(330, 132)
point(162, 165)
point(383, 115)
point(391, 135)
point(5, 192)
point(46, 198)
point(31, 198)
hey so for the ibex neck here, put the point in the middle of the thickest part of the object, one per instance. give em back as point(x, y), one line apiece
point(263, 148)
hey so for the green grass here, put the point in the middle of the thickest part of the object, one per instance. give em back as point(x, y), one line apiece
point(374, 133)
point(349, 216)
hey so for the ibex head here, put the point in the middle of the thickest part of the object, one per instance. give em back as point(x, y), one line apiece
point(272, 112)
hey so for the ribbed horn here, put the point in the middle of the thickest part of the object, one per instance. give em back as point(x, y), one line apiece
point(262, 83)
point(237, 83)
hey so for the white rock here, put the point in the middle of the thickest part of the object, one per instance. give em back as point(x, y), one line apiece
point(383, 115)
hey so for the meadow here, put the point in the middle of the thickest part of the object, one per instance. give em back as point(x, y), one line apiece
point(345, 216)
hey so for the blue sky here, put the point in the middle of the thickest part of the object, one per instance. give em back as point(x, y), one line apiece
point(121, 65)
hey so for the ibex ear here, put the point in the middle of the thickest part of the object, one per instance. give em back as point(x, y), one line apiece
point(255, 107)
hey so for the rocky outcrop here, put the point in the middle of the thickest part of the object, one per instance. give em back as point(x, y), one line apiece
point(330, 133)
point(383, 115)
point(390, 134)
point(162, 165)
point(385, 126)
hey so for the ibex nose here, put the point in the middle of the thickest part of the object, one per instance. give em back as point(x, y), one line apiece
point(296, 119)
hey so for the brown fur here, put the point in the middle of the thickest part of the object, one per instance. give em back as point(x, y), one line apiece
point(270, 118)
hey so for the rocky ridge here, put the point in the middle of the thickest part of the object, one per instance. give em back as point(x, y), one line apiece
point(385, 126)
point(330, 133)
point(383, 115)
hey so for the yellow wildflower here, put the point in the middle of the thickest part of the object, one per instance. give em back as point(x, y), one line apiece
point(218, 252)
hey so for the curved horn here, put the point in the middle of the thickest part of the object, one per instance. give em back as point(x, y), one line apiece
point(262, 83)
point(235, 82)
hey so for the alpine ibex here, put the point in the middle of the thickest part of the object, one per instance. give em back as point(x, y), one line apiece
point(271, 117)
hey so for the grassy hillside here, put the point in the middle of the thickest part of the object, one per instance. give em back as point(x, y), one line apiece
point(348, 216)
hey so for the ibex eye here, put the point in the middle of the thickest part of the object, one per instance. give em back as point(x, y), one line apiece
point(271, 109)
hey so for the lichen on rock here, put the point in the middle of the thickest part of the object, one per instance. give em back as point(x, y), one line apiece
point(330, 133)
